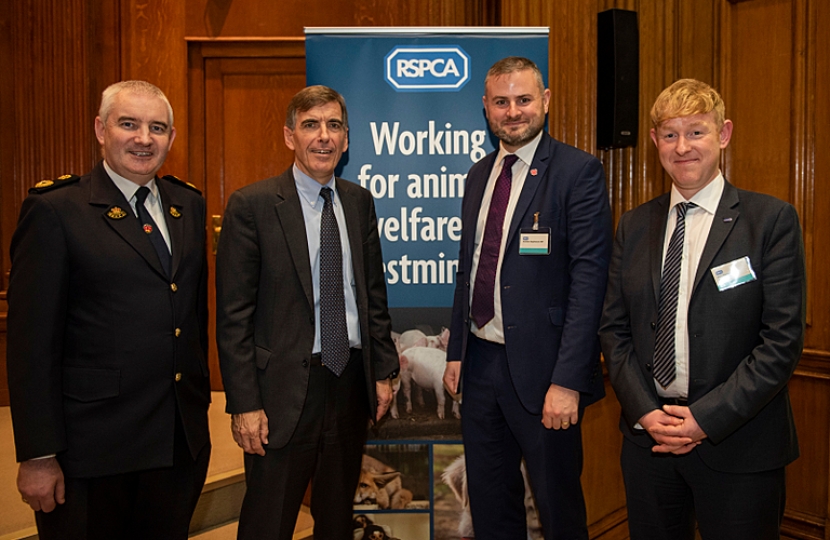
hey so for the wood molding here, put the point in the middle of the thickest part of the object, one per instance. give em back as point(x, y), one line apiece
point(249, 47)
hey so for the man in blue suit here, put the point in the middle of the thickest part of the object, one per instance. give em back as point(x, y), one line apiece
point(532, 271)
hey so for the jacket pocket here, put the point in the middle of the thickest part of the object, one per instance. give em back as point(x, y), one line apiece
point(263, 356)
point(90, 384)
point(557, 316)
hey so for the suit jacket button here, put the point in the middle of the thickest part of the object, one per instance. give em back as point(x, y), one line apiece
point(178, 332)
point(648, 367)
point(653, 326)
point(174, 287)
point(305, 363)
point(178, 377)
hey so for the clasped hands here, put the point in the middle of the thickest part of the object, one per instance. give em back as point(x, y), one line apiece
point(673, 428)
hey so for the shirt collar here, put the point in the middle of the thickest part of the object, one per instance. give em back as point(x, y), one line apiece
point(707, 198)
point(525, 153)
point(128, 187)
point(309, 188)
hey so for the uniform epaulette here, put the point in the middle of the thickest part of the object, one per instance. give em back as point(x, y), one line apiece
point(48, 185)
point(175, 180)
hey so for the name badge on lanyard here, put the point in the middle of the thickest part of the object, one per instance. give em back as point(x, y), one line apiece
point(534, 241)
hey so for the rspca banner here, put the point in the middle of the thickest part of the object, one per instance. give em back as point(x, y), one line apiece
point(416, 125)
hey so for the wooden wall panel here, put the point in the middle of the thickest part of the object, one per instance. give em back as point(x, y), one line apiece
point(48, 103)
point(224, 18)
point(153, 49)
point(807, 477)
point(755, 61)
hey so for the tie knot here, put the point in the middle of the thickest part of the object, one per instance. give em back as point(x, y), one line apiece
point(325, 193)
point(683, 207)
point(141, 194)
point(509, 160)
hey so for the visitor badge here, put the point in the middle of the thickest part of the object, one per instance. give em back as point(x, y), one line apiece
point(534, 242)
point(733, 273)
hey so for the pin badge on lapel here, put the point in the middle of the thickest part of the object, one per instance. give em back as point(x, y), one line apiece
point(147, 228)
point(727, 219)
point(533, 172)
point(116, 213)
point(175, 213)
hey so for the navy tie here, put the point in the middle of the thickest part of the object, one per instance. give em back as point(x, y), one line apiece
point(483, 309)
point(149, 227)
point(664, 346)
point(334, 336)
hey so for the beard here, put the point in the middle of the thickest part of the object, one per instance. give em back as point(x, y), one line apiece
point(519, 137)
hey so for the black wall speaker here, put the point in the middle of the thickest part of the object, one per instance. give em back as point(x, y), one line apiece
point(618, 78)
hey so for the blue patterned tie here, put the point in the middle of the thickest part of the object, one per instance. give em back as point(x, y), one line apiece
point(482, 309)
point(664, 346)
point(149, 227)
point(334, 336)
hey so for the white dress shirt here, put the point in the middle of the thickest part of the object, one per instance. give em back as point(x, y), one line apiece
point(152, 203)
point(312, 205)
point(698, 223)
point(494, 330)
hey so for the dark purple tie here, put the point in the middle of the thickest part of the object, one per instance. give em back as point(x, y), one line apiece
point(482, 309)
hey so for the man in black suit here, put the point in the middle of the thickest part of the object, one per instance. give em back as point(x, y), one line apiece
point(107, 336)
point(527, 337)
point(303, 328)
point(702, 328)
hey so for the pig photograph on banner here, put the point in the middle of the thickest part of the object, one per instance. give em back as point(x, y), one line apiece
point(421, 406)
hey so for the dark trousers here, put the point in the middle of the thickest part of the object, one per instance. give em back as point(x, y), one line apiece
point(156, 503)
point(497, 432)
point(326, 448)
point(665, 494)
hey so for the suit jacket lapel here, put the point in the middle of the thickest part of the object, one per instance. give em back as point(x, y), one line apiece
point(351, 211)
point(175, 226)
point(474, 189)
point(540, 163)
point(657, 236)
point(290, 215)
point(105, 194)
point(722, 224)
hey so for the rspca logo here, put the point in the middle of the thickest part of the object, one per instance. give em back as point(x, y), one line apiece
point(427, 68)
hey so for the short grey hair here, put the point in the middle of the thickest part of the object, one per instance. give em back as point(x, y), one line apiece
point(136, 87)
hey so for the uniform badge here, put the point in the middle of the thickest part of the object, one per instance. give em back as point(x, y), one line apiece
point(175, 213)
point(116, 213)
point(44, 183)
point(148, 228)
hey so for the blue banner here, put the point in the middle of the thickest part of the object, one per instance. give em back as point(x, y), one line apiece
point(416, 125)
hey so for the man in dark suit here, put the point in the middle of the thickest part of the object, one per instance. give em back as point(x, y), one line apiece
point(107, 333)
point(531, 278)
point(702, 328)
point(303, 328)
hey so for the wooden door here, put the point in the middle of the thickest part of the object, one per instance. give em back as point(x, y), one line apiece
point(239, 94)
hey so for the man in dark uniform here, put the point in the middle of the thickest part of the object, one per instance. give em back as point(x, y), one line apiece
point(107, 336)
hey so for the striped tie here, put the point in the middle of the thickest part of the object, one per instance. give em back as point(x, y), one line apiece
point(664, 354)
